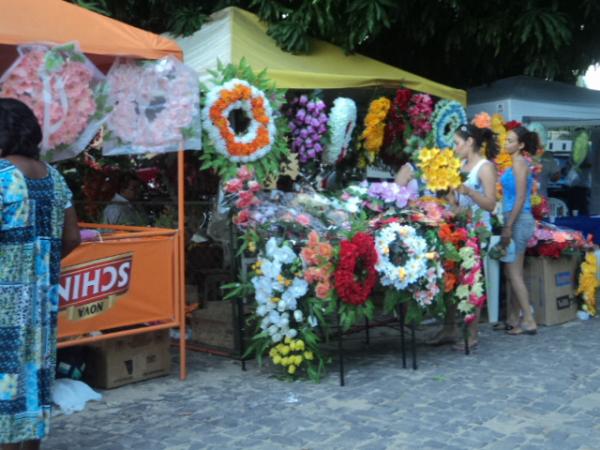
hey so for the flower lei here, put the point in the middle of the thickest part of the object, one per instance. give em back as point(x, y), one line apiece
point(319, 269)
point(470, 292)
point(342, 120)
point(308, 126)
point(441, 169)
point(278, 290)
point(393, 242)
point(374, 130)
point(262, 144)
point(588, 283)
point(61, 86)
point(156, 107)
point(446, 118)
point(357, 253)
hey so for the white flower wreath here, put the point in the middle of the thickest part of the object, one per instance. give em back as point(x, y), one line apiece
point(277, 299)
point(258, 139)
point(416, 265)
point(342, 120)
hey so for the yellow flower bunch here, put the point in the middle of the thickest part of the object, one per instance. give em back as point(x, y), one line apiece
point(290, 354)
point(588, 283)
point(441, 169)
point(372, 135)
point(503, 160)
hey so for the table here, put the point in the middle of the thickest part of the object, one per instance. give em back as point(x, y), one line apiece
point(585, 224)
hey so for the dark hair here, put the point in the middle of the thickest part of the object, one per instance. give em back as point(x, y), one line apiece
point(20, 132)
point(529, 139)
point(125, 180)
point(483, 138)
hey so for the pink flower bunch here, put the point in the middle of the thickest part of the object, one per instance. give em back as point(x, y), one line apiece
point(244, 187)
point(319, 270)
point(61, 98)
point(420, 112)
point(308, 126)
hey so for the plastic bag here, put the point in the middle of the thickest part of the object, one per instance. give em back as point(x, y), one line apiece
point(65, 91)
point(72, 395)
point(156, 107)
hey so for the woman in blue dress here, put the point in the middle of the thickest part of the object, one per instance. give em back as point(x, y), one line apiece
point(38, 226)
point(519, 226)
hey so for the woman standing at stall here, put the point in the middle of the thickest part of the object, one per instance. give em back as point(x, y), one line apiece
point(476, 147)
point(38, 226)
point(519, 226)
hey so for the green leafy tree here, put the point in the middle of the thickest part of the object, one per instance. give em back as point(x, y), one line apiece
point(459, 42)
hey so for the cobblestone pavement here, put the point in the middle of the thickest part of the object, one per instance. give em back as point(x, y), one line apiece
point(527, 392)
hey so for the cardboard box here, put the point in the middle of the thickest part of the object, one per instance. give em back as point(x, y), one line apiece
point(551, 284)
point(116, 362)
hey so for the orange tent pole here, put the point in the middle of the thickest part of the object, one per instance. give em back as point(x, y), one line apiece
point(181, 255)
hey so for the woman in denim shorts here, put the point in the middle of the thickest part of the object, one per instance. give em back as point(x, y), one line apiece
point(519, 225)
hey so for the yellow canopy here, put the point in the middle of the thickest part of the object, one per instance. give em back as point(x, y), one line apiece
point(232, 34)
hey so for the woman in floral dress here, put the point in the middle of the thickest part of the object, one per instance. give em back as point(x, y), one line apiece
point(38, 226)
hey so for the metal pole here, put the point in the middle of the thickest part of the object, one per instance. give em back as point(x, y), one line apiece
point(402, 340)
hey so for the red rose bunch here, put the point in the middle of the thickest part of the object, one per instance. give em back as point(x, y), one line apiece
point(355, 276)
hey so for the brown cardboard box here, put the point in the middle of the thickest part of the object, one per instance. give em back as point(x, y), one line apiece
point(551, 284)
point(116, 362)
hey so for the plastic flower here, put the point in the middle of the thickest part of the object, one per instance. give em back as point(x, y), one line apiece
point(482, 120)
point(588, 283)
point(441, 169)
point(373, 133)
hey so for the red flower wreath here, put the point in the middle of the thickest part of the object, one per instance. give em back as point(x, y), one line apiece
point(349, 288)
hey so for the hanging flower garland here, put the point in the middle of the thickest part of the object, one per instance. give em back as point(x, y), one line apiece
point(357, 254)
point(446, 118)
point(261, 145)
point(156, 107)
point(308, 127)
point(588, 283)
point(372, 135)
point(440, 168)
point(342, 121)
point(65, 92)
point(403, 256)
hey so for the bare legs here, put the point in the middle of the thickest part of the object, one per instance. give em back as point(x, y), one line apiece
point(520, 303)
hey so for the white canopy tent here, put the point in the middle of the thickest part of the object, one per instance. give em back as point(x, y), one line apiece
point(528, 99)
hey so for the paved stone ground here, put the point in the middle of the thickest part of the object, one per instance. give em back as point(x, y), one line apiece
point(526, 392)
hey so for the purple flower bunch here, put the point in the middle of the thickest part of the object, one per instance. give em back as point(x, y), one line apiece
point(308, 125)
point(392, 193)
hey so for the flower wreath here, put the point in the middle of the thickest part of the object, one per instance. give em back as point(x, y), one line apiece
point(447, 117)
point(409, 247)
point(262, 144)
point(361, 248)
point(342, 120)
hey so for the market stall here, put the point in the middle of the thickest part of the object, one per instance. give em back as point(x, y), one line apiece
point(132, 280)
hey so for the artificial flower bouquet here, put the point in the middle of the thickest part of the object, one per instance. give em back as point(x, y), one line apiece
point(553, 242)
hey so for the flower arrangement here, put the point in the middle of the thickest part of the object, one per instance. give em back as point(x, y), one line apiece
point(290, 354)
point(278, 290)
point(419, 113)
point(588, 282)
point(319, 268)
point(386, 194)
point(65, 92)
point(440, 168)
point(372, 135)
point(396, 122)
point(156, 107)
point(355, 276)
point(482, 120)
point(260, 145)
point(539, 206)
point(470, 292)
point(308, 127)
point(243, 187)
point(447, 116)
point(552, 242)
point(342, 120)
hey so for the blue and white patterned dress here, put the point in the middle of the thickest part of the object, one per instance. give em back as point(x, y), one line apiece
point(31, 224)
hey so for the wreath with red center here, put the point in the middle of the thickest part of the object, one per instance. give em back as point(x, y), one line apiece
point(356, 276)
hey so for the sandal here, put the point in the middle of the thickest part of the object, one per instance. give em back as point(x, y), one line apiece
point(460, 346)
point(502, 326)
point(517, 331)
point(441, 340)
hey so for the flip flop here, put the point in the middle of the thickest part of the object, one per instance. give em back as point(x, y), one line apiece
point(502, 326)
point(520, 331)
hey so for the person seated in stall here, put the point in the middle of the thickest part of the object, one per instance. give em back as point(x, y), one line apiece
point(121, 210)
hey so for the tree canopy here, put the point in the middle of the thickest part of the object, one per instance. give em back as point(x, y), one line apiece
point(462, 43)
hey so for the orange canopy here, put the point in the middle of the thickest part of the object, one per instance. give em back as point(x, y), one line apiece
point(57, 21)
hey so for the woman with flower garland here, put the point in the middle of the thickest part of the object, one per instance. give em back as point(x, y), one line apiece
point(519, 225)
point(39, 225)
point(477, 147)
